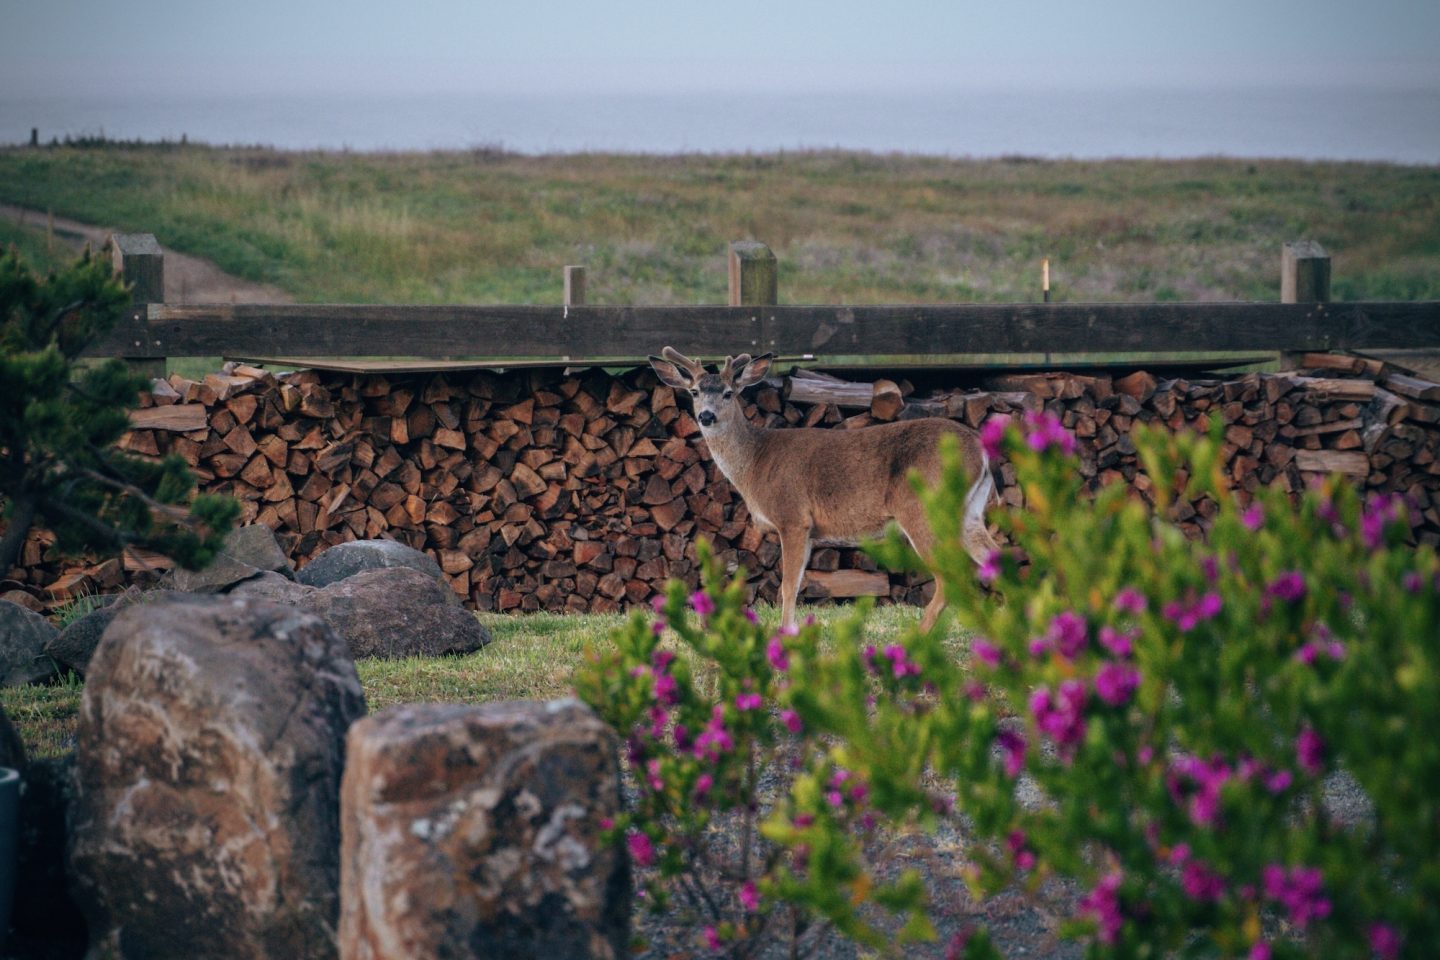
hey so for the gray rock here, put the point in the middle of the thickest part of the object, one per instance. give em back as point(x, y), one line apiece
point(273, 587)
point(248, 551)
point(397, 612)
point(474, 831)
point(73, 647)
point(207, 770)
point(348, 559)
point(23, 635)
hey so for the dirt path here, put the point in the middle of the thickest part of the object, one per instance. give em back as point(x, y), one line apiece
point(187, 279)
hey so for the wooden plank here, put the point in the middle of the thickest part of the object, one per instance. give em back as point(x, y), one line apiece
point(1350, 463)
point(630, 333)
point(1413, 387)
point(177, 418)
point(574, 286)
point(1304, 273)
point(850, 583)
point(140, 262)
point(754, 274)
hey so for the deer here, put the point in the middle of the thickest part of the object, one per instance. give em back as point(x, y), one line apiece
point(829, 487)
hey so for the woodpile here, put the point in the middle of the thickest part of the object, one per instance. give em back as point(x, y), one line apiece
point(585, 491)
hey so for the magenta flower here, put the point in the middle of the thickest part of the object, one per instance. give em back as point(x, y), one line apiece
point(1068, 633)
point(1288, 587)
point(657, 602)
point(1061, 716)
point(642, 851)
point(992, 435)
point(1012, 744)
point(1254, 517)
point(1130, 600)
point(900, 664)
point(986, 652)
point(1310, 752)
point(775, 653)
point(1210, 566)
point(667, 691)
point(791, 719)
point(1384, 941)
point(1279, 781)
point(1380, 511)
point(1115, 683)
point(750, 897)
point(748, 701)
point(1103, 903)
point(1189, 615)
point(835, 798)
point(1300, 891)
point(652, 776)
point(661, 659)
point(1118, 644)
point(702, 604)
point(990, 569)
point(1260, 950)
point(752, 616)
point(1020, 851)
point(712, 939)
point(1201, 883)
point(1046, 431)
point(703, 784)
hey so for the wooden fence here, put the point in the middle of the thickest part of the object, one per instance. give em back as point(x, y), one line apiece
point(573, 332)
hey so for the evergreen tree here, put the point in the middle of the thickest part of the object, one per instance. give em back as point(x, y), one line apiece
point(59, 422)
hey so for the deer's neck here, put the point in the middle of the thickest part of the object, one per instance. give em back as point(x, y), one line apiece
point(734, 451)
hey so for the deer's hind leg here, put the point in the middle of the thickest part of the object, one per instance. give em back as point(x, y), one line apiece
point(917, 530)
point(794, 558)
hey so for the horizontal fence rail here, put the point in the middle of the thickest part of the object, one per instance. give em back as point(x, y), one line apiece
point(576, 333)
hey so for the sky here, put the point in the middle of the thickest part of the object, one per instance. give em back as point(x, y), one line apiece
point(210, 47)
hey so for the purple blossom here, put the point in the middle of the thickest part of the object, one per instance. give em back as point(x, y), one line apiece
point(1260, 950)
point(1020, 852)
point(1201, 883)
point(702, 604)
point(748, 701)
point(714, 739)
point(986, 652)
point(1068, 633)
point(1310, 752)
point(752, 616)
point(992, 435)
point(658, 627)
point(661, 659)
point(749, 897)
point(1103, 903)
point(1116, 643)
point(989, 571)
point(835, 798)
point(1289, 586)
point(1196, 785)
point(1254, 517)
point(712, 939)
point(652, 776)
point(791, 719)
point(1300, 891)
point(1279, 781)
point(642, 851)
point(667, 691)
point(1380, 511)
point(775, 653)
point(1189, 615)
point(1012, 744)
point(1061, 716)
point(657, 602)
point(1115, 683)
point(900, 665)
point(659, 716)
point(1210, 566)
point(703, 783)
point(1046, 431)
point(1384, 941)
point(1130, 600)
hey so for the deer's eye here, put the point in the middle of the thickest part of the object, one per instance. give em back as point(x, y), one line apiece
point(729, 394)
point(694, 393)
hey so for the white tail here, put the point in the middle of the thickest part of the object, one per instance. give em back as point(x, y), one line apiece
point(828, 486)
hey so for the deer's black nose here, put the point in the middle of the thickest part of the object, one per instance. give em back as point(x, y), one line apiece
point(707, 417)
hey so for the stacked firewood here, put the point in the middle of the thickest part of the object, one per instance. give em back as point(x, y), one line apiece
point(585, 490)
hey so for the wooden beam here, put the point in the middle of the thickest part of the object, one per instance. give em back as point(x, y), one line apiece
point(574, 286)
point(754, 279)
point(140, 262)
point(630, 333)
point(1304, 273)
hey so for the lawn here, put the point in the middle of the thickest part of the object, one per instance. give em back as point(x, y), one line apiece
point(486, 226)
point(533, 656)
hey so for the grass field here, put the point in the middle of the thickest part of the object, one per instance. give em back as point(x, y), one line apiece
point(487, 226)
point(533, 656)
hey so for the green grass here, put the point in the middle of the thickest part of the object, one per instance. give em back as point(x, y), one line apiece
point(847, 227)
point(533, 656)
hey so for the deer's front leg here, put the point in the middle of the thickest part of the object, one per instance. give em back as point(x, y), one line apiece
point(794, 557)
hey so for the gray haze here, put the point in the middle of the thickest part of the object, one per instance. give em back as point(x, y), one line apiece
point(269, 47)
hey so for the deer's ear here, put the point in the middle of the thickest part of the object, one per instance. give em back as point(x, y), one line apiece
point(754, 371)
point(671, 375)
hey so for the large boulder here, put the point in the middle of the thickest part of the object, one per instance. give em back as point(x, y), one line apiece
point(47, 922)
point(248, 551)
point(72, 648)
point(273, 587)
point(208, 761)
point(23, 635)
point(397, 612)
point(357, 556)
point(475, 831)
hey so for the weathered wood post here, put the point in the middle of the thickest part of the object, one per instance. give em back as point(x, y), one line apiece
point(574, 286)
point(34, 136)
point(754, 278)
point(140, 262)
point(1304, 273)
point(1304, 278)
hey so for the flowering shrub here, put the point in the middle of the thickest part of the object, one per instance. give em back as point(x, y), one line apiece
point(1232, 739)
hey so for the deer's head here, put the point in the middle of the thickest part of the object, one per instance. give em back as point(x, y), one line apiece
point(715, 396)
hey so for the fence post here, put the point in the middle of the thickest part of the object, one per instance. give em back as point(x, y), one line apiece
point(574, 286)
point(754, 278)
point(140, 262)
point(1304, 278)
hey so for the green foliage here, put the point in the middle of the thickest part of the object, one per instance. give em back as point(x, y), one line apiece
point(1224, 742)
point(58, 424)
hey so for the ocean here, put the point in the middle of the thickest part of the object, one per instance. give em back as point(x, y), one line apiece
point(1401, 125)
